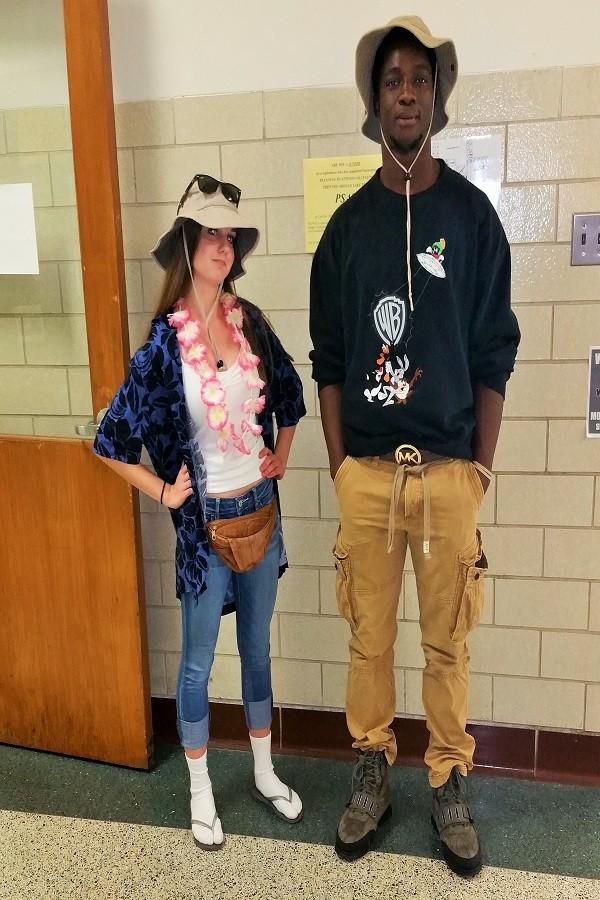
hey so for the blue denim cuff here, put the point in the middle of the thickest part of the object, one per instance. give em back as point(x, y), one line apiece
point(259, 713)
point(194, 734)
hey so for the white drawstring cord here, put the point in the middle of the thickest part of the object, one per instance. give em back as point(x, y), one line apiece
point(408, 177)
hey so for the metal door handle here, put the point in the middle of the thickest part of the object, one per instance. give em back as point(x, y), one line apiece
point(90, 429)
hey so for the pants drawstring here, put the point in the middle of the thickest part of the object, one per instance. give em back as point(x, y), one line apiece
point(400, 477)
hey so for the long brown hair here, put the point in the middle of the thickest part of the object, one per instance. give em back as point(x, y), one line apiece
point(177, 282)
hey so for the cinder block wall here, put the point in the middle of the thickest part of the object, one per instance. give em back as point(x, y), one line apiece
point(536, 656)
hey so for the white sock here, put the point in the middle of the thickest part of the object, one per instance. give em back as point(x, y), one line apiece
point(267, 781)
point(203, 803)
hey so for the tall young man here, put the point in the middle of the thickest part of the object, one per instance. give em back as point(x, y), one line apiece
point(414, 341)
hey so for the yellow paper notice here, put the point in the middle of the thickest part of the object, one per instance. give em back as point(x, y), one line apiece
point(327, 183)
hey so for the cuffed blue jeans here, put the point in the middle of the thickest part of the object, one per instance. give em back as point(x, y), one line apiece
point(255, 592)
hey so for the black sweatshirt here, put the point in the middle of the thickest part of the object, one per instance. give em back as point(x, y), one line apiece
point(410, 377)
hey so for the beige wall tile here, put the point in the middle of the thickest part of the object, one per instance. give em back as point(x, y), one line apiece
point(569, 449)
point(56, 340)
point(167, 581)
point(225, 681)
point(133, 286)
point(521, 446)
point(595, 607)
point(309, 541)
point(545, 499)
point(2, 133)
point(533, 701)
point(513, 551)
point(572, 198)
point(505, 651)
point(552, 150)
point(15, 424)
point(480, 695)
point(152, 585)
point(37, 128)
point(126, 175)
point(547, 390)
point(226, 117)
point(529, 213)
point(328, 498)
point(309, 450)
point(27, 390)
point(278, 283)
point(407, 650)
point(271, 169)
point(172, 667)
point(57, 233)
point(529, 603)
point(544, 272)
point(313, 637)
point(597, 508)
point(317, 110)
point(572, 553)
point(58, 426)
point(31, 294)
point(255, 211)
point(300, 493)
point(327, 591)
point(592, 717)
point(158, 537)
point(487, 511)
point(308, 389)
point(334, 687)
point(292, 330)
point(158, 675)
point(145, 124)
point(571, 656)
point(510, 96)
point(285, 219)
point(152, 279)
point(298, 591)
point(297, 683)
point(142, 226)
point(164, 629)
point(71, 284)
point(342, 145)
point(581, 86)
point(162, 173)
point(11, 342)
point(573, 327)
point(63, 177)
point(139, 324)
point(28, 167)
point(535, 323)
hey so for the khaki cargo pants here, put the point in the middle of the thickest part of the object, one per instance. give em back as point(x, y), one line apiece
point(449, 586)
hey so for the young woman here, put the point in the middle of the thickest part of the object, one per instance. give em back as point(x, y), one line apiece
point(201, 395)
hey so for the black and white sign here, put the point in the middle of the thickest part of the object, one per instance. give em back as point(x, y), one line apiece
point(593, 417)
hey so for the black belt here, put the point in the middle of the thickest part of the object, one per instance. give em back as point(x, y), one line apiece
point(408, 455)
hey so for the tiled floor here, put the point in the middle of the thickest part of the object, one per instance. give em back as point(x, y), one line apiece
point(76, 829)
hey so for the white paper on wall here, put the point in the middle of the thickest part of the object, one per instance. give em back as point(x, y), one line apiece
point(478, 158)
point(18, 244)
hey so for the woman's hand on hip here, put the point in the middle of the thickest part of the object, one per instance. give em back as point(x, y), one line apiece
point(176, 494)
point(272, 466)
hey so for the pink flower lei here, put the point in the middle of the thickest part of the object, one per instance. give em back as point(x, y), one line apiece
point(194, 353)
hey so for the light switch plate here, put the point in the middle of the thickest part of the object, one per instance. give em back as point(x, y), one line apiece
point(585, 239)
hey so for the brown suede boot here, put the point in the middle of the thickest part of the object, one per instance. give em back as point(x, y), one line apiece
point(452, 819)
point(369, 805)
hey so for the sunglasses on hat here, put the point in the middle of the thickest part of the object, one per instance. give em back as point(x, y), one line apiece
point(209, 185)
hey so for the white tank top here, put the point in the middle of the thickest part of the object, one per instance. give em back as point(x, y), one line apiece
point(229, 470)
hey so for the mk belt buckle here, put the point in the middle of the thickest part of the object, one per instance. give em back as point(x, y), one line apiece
point(407, 455)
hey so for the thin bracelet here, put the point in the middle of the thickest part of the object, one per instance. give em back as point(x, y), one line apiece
point(163, 490)
point(482, 468)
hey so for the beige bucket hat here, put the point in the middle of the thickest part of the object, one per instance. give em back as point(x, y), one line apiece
point(447, 70)
point(213, 210)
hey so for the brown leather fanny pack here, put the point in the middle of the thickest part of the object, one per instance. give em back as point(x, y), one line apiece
point(242, 542)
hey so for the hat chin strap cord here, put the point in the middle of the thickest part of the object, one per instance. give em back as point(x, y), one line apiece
point(407, 176)
point(206, 317)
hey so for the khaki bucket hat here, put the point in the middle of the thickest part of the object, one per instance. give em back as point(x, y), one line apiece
point(447, 70)
point(213, 210)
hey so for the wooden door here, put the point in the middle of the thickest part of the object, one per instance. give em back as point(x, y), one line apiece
point(73, 650)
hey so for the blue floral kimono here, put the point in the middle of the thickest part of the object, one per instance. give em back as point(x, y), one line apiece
point(149, 409)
